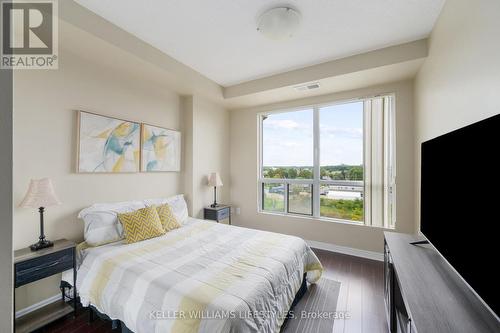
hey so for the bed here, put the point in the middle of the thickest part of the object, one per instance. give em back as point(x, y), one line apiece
point(202, 277)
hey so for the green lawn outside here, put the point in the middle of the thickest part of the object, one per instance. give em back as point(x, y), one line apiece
point(342, 209)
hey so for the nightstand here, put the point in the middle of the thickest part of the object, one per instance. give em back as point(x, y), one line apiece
point(218, 213)
point(31, 266)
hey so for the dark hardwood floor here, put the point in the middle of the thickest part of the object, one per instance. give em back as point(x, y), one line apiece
point(361, 292)
point(361, 295)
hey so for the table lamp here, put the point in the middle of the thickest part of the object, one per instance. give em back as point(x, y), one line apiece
point(214, 180)
point(40, 195)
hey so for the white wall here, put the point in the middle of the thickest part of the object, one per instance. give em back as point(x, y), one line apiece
point(459, 83)
point(45, 141)
point(207, 150)
point(244, 174)
point(211, 146)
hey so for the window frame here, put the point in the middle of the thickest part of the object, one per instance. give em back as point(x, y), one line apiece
point(316, 182)
point(288, 199)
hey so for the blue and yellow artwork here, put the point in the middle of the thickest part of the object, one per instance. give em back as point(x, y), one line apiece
point(108, 144)
point(161, 149)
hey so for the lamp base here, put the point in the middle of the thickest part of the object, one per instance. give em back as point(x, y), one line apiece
point(41, 244)
point(214, 205)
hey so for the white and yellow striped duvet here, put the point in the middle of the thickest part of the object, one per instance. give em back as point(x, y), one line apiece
point(203, 277)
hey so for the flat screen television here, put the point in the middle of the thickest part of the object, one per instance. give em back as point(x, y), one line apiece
point(460, 204)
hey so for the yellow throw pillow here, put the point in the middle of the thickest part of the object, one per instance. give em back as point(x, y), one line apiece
point(167, 218)
point(141, 224)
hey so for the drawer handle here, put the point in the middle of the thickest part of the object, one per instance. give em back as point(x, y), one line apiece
point(34, 269)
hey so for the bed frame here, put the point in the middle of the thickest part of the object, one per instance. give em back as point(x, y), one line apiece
point(118, 324)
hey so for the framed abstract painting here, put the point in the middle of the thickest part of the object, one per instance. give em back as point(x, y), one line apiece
point(161, 149)
point(107, 144)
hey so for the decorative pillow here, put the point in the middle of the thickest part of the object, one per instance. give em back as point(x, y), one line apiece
point(176, 203)
point(142, 224)
point(167, 218)
point(101, 221)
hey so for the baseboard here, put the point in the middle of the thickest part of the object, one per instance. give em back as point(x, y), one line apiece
point(346, 250)
point(38, 305)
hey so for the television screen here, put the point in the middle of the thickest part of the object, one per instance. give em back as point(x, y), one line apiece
point(460, 203)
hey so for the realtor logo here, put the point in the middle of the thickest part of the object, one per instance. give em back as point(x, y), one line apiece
point(29, 34)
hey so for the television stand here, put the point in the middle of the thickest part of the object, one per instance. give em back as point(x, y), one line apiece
point(423, 293)
point(419, 242)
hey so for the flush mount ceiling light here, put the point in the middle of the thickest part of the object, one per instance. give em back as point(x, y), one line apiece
point(279, 23)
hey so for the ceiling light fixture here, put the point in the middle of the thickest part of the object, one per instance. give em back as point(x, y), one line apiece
point(279, 23)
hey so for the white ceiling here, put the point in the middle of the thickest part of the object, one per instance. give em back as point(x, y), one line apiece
point(218, 38)
point(347, 82)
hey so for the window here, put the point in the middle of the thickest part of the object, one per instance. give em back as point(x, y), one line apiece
point(333, 162)
point(273, 197)
point(341, 161)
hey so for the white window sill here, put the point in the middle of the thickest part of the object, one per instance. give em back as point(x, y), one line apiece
point(324, 219)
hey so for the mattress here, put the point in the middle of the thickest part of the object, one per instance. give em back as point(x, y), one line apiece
point(202, 277)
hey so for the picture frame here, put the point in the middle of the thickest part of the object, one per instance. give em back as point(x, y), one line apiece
point(160, 149)
point(107, 144)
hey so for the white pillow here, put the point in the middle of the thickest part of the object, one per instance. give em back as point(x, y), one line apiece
point(177, 203)
point(101, 221)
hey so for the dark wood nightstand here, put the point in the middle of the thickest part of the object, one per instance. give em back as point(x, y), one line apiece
point(31, 266)
point(218, 213)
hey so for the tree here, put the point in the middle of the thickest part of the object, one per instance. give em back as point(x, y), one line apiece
point(337, 175)
point(281, 173)
point(269, 173)
point(323, 173)
point(356, 173)
point(292, 173)
point(305, 174)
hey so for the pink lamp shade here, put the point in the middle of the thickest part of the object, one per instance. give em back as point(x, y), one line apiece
point(40, 194)
point(214, 179)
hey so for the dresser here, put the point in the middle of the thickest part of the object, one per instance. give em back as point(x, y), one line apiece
point(423, 293)
point(31, 266)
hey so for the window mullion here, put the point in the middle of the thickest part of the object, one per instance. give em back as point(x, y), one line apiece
point(287, 189)
point(316, 163)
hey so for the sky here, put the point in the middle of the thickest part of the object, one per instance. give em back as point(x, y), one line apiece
point(288, 137)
